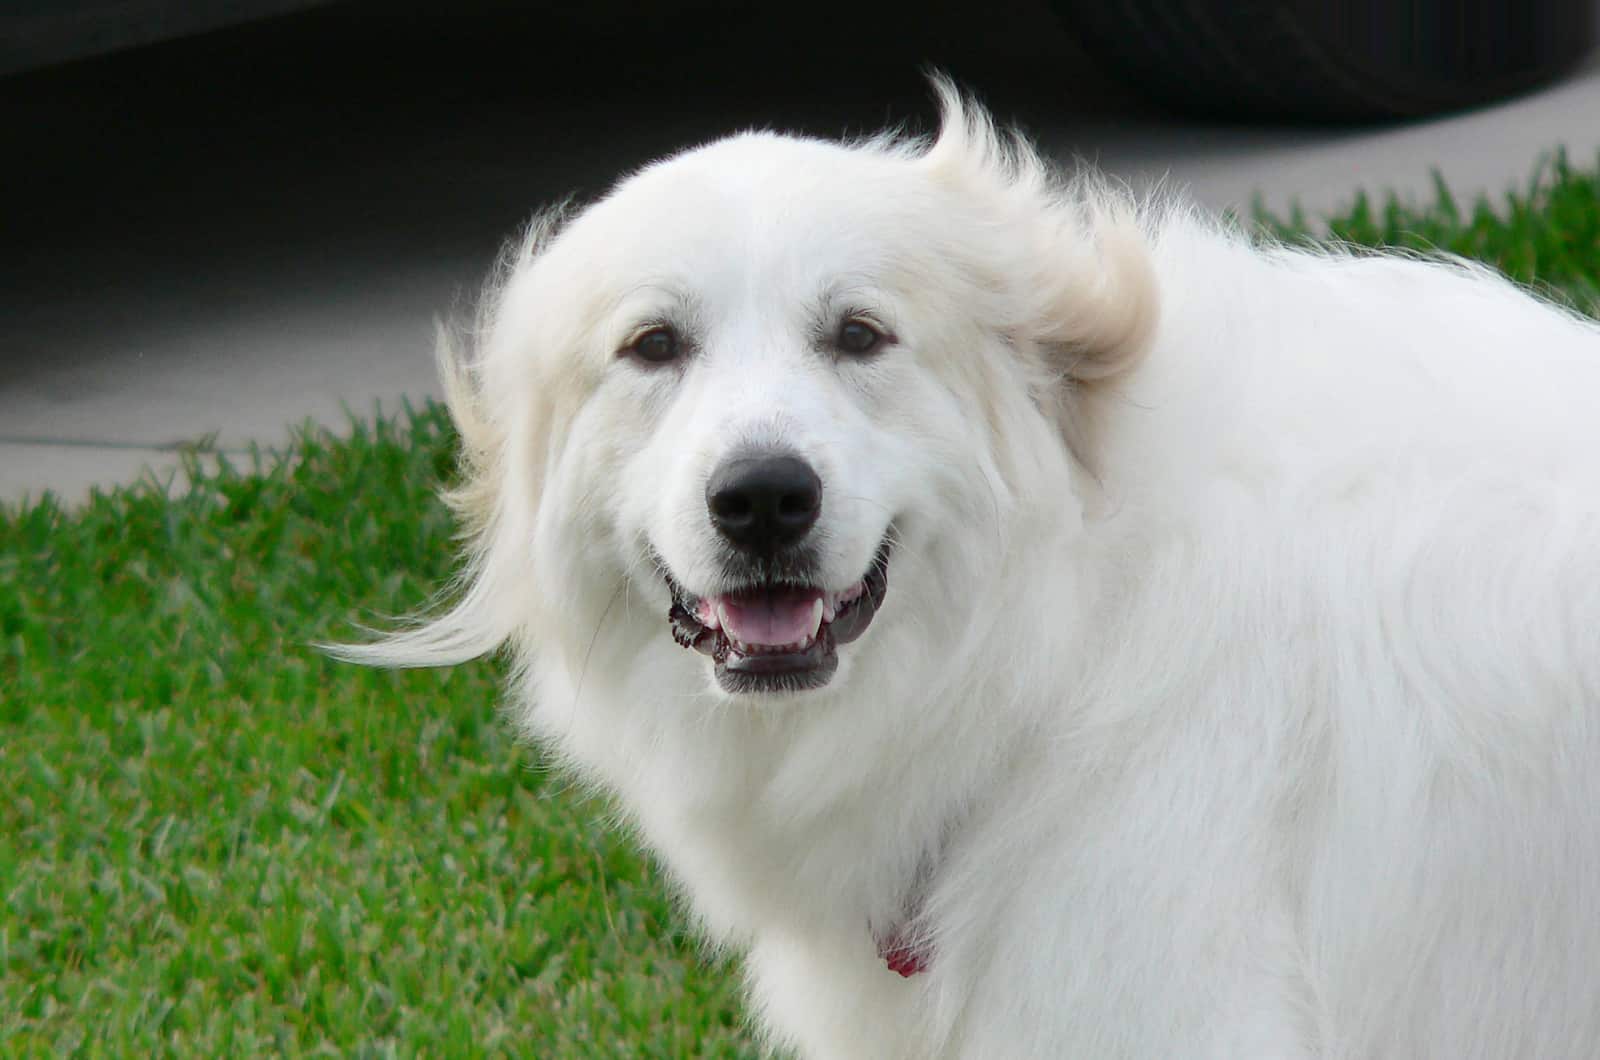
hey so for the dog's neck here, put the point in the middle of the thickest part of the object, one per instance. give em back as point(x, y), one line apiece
point(832, 815)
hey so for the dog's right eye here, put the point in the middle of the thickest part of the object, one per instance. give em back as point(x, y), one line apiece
point(656, 346)
point(858, 338)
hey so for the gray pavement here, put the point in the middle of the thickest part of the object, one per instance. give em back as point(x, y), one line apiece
point(218, 239)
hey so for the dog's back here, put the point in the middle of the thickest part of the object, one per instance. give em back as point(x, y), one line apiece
point(1332, 787)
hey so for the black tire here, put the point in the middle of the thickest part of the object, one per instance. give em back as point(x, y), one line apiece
point(1331, 60)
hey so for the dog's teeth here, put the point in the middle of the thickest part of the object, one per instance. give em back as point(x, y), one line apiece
point(816, 618)
point(720, 616)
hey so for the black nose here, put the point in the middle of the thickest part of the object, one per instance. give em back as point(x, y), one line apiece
point(763, 503)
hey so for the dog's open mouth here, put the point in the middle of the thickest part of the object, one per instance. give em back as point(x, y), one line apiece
point(777, 637)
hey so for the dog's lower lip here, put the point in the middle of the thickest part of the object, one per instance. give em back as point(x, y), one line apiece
point(853, 621)
point(780, 662)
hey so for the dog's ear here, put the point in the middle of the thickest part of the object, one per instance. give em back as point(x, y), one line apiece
point(1099, 294)
point(472, 498)
point(477, 621)
point(503, 452)
point(467, 357)
point(1075, 258)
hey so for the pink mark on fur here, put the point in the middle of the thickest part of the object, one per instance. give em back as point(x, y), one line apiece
point(902, 957)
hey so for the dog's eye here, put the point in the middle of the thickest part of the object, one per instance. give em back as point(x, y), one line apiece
point(857, 337)
point(657, 346)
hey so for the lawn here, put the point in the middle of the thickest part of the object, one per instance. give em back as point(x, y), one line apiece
point(215, 842)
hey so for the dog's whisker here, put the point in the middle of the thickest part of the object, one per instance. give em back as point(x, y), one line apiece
point(594, 638)
point(997, 525)
point(856, 498)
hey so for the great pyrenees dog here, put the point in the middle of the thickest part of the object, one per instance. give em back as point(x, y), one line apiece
point(1031, 621)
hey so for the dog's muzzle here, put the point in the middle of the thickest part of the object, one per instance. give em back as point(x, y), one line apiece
point(776, 629)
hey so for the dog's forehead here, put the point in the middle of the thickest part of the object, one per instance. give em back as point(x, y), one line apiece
point(753, 198)
point(764, 168)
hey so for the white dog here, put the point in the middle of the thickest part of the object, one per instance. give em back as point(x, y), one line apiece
point(1033, 624)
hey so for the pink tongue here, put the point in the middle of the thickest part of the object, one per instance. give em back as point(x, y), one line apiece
point(780, 616)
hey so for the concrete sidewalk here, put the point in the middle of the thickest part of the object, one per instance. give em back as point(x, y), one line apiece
point(213, 259)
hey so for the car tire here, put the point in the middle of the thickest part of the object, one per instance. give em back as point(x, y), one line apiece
point(1331, 60)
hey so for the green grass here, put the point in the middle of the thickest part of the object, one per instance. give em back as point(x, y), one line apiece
point(215, 842)
point(1547, 237)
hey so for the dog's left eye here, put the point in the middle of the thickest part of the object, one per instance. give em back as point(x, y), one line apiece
point(857, 337)
point(657, 346)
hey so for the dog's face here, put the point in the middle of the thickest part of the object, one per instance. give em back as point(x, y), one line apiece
point(770, 418)
point(756, 380)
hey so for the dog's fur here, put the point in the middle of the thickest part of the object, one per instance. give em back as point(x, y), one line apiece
point(1237, 688)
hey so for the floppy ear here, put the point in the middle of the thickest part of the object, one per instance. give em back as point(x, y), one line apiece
point(1100, 299)
point(1077, 257)
point(501, 464)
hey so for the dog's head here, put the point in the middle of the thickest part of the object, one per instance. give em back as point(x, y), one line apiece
point(773, 395)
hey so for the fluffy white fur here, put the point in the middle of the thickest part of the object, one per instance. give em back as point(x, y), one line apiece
point(1237, 690)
